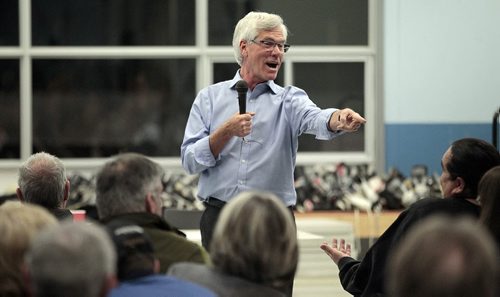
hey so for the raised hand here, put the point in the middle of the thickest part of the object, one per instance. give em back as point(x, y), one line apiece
point(336, 251)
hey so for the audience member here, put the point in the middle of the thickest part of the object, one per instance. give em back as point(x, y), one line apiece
point(489, 197)
point(463, 165)
point(18, 226)
point(254, 249)
point(138, 268)
point(74, 259)
point(42, 180)
point(443, 257)
point(129, 188)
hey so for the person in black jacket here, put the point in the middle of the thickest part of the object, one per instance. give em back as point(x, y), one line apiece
point(463, 165)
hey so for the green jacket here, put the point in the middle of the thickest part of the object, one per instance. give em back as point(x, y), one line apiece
point(170, 244)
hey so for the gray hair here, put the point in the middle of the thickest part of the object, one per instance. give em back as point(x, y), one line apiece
point(123, 183)
point(444, 257)
point(251, 25)
point(255, 238)
point(71, 259)
point(41, 179)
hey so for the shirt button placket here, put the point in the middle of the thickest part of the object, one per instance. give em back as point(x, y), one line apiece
point(242, 171)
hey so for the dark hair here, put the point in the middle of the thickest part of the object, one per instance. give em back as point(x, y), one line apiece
point(470, 159)
point(489, 195)
point(123, 182)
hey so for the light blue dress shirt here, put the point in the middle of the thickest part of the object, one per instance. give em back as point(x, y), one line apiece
point(265, 159)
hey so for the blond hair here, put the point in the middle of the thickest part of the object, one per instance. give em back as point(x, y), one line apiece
point(19, 224)
point(255, 238)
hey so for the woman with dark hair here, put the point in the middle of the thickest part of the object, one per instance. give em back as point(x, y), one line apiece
point(463, 165)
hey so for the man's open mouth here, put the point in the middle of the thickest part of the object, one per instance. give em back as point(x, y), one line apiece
point(272, 65)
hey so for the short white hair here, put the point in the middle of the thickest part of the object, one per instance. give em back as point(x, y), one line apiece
point(251, 25)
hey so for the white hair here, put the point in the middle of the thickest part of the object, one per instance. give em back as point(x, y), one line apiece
point(251, 25)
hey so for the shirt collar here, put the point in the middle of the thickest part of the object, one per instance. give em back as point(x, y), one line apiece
point(270, 84)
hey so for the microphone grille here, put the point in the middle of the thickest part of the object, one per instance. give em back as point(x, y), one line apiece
point(241, 86)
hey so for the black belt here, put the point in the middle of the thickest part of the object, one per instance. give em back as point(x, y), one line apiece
point(211, 201)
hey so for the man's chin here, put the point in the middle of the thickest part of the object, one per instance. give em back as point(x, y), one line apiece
point(272, 75)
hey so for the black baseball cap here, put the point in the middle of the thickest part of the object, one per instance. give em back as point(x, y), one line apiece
point(134, 250)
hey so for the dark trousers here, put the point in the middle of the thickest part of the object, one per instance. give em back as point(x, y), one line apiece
point(208, 220)
point(213, 208)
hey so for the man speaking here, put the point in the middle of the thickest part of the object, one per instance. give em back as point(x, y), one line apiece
point(254, 150)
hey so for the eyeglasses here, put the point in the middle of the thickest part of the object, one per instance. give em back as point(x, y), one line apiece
point(270, 44)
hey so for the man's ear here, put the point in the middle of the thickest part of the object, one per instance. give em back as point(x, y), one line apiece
point(19, 194)
point(156, 266)
point(109, 283)
point(151, 206)
point(459, 186)
point(67, 186)
point(26, 276)
point(243, 47)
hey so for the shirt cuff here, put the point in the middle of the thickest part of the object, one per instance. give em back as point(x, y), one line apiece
point(324, 133)
point(202, 153)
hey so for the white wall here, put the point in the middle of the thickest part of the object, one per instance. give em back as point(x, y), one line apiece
point(441, 61)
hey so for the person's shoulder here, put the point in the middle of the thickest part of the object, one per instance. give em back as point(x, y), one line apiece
point(290, 89)
point(186, 268)
point(180, 287)
point(450, 206)
point(194, 272)
point(172, 247)
point(61, 213)
point(222, 85)
point(425, 203)
point(162, 234)
point(172, 236)
point(221, 283)
point(217, 92)
point(156, 285)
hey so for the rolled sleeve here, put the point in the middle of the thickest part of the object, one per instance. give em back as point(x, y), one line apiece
point(197, 156)
point(202, 153)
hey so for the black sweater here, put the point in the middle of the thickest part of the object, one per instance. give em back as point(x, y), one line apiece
point(367, 277)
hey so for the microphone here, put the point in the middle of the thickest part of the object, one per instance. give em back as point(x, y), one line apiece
point(241, 88)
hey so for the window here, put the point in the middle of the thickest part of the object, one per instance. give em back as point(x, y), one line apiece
point(131, 105)
point(341, 85)
point(9, 107)
point(322, 22)
point(112, 23)
point(9, 22)
point(90, 78)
